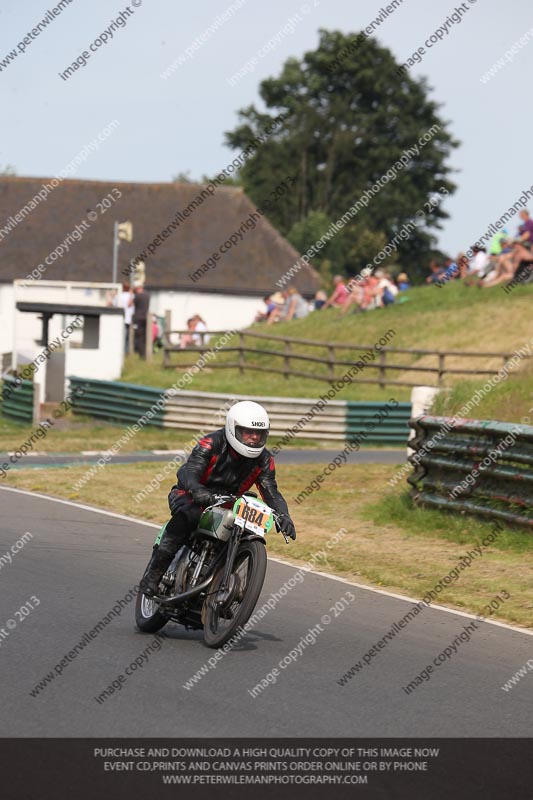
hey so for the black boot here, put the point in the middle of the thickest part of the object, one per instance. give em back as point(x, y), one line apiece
point(176, 532)
point(159, 565)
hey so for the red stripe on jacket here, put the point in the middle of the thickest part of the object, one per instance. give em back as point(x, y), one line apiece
point(209, 469)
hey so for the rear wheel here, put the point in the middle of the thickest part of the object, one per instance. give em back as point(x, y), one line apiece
point(148, 617)
point(248, 575)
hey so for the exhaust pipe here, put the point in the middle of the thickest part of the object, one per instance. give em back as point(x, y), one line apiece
point(180, 598)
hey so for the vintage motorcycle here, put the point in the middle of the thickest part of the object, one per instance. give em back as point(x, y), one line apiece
point(214, 582)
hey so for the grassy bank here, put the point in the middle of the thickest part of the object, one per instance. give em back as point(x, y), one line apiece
point(454, 317)
point(509, 401)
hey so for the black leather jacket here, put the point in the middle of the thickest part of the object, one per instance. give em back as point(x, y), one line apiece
point(215, 465)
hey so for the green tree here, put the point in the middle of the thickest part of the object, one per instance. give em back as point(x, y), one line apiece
point(185, 177)
point(349, 118)
point(308, 230)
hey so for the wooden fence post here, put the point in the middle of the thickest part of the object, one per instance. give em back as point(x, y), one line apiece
point(287, 360)
point(442, 356)
point(165, 337)
point(168, 320)
point(241, 352)
point(382, 368)
point(331, 362)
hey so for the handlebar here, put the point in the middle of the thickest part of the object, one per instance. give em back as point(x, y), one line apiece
point(227, 498)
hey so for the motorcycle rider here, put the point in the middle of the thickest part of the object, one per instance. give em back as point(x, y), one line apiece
point(228, 461)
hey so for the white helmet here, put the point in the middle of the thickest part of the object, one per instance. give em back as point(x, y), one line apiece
point(247, 417)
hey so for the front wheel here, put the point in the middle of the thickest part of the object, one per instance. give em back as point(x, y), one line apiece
point(148, 617)
point(247, 577)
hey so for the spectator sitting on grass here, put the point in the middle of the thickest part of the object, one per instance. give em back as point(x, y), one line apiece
point(478, 266)
point(362, 292)
point(451, 271)
point(386, 290)
point(402, 282)
point(270, 306)
point(462, 263)
point(497, 242)
point(436, 272)
point(524, 257)
point(275, 315)
point(526, 229)
point(320, 299)
point(339, 295)
point(511, 265)
point(356, 290)
point(502, 267)
point(295, 306)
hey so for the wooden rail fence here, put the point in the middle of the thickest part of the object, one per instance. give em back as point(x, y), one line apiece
point(285, 351)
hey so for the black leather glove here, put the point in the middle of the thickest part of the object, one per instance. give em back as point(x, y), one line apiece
point(286, 526)
point(203, 497)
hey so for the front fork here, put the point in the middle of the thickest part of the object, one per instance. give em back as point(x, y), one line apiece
point(223, 592)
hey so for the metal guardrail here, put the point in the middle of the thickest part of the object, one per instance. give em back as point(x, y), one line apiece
point(186, 410)
point(117, 402)
point(191, 410)
point(391, 429)
point(18, 400)
point(476, 467)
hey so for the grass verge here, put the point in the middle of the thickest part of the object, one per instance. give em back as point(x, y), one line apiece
point(74, 434)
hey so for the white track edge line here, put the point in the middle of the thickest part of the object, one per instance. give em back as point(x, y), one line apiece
point(406, 599)
point(80, 505)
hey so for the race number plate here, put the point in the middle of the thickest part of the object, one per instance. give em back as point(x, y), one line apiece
point(253, 515)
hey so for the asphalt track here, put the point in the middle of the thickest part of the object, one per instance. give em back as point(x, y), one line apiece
point(80, 562)
point(284, 457)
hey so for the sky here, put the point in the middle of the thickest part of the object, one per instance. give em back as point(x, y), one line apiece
point(177, 124)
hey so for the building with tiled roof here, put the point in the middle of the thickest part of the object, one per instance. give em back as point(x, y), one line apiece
point(40, 216)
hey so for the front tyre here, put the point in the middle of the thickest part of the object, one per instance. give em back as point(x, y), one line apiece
point(147, 615)
point(248, 575)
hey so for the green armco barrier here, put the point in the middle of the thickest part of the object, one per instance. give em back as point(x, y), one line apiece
point(17, 399)
point(479, 467)
point(118, 402)
point(392, 429)
point(188, 410)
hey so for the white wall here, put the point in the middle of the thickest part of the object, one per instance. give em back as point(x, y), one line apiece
point(7, 316)
point(221, 312)
point(26, 328)
point(19, 331)
point(104, 363)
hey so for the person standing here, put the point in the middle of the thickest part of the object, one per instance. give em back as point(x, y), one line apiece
point(141, 305)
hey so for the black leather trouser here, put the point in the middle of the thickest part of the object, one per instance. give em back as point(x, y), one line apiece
point(176, 533)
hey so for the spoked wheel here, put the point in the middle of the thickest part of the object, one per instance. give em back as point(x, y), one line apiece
point(147, 614)
point(221, 622)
